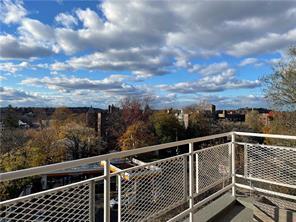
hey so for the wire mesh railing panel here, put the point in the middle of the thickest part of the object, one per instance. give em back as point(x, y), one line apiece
point(149, 191)
point(271, 163)
point(214, 166)
point(69, 204)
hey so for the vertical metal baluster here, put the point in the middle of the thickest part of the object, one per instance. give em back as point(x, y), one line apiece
point(107, 191)
point(191, 182)
point(185, 168)
point(119, 196)
point(196, 173)
point(92, 201)
point(233, 162)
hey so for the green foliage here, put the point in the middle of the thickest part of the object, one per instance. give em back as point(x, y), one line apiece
point(12, 189)
point(200, 124)
point(166, 126)
point(11, 118)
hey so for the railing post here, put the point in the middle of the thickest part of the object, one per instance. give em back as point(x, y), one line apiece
point(92, 202)
point(185, 171)
point(191, 182)
point(107, 191)
point(233, 162)
point(196, 174)
point(119, 196)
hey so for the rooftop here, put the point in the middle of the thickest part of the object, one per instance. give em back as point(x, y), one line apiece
point(214, 178)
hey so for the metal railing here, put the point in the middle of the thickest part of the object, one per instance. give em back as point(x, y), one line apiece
point(176, 186)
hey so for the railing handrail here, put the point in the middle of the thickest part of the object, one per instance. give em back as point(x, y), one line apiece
point(74, 163)
point(274, 136)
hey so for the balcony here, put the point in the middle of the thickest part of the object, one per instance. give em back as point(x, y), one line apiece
point(225, 177)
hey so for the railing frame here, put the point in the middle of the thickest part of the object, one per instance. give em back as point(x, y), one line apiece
point(188, 184)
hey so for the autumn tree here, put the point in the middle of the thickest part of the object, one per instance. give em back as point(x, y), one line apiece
point(46, 141)
point(200, 124)
point(280, 86)
point(283, 123)
point(12, 139)
point(137, 135)
point(79, 141)
point(280, 89)
point(61, 116)
point(135, 109)
point(115, 127)
point(21, 158)
point(253, 121)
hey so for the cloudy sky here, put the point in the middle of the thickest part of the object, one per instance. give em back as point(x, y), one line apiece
point(93, 53)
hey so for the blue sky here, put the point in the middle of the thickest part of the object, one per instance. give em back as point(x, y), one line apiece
point(94, 53)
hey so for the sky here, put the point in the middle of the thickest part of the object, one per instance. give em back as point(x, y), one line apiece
point(178, 53)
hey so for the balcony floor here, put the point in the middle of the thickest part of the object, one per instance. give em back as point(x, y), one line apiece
point(225, 208)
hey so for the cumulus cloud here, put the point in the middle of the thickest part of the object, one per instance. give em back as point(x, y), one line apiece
point(248, 61)
point(269, 43)
point(89, 18)
point(35, 30)
point(12, 48)
point(148, 38)
point(143, 62)
point(113, 84)
point(66, 20)
point(12, 67)
point(17, 67)
point(212, 69)
point(225, 102)
point(244, 30)
point(12, 11)
point(13, 94)
point(217, 83)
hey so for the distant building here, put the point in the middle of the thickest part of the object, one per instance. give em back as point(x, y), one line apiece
point(112, 108)
point(186, 120)
point(231, 115)
point(23, 125)
point(266, 118)
point(209, 107)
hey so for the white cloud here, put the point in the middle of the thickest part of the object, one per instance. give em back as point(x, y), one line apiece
point(216, 83)
point(248, 61)
point(17, 67)
point(224, 102)
point(13, 94)
point(35, 30)
point(12, 67)
point(143, 62)
point(213, 69)
point(12, 11)
point(113, 84)
point(2, 78)
point(66, 20)
point(269, 43)
point(244, 30)
point(90, 19)
point(12, 48)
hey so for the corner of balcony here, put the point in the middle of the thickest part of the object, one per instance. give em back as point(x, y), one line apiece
point(223, 177)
